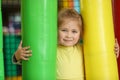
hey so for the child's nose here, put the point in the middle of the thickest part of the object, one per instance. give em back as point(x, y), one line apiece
point(69, 34)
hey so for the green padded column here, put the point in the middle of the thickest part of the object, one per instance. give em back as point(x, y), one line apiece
point(39, 31)
point(1, 48)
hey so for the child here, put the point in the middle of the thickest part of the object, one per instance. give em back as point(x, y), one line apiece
point(69, 51)
point(70, 64)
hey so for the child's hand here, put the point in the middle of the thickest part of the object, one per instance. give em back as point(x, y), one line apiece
point(22, 53)
point(116, 49)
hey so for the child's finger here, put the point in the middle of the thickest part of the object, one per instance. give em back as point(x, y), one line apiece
point(116, 40)
point(117, 55)
point(29, 51)
point(116, 43)
point(25, 58)
point(26, 55)
point(26, 48)
point(20, 45)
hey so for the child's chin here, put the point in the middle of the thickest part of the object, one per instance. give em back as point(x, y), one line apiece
point(68, 45)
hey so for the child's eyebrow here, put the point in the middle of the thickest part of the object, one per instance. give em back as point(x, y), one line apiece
point(62, 28)
point(75, 30)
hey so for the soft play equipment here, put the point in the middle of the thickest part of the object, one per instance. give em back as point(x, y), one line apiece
point(77, 5)
point(1, 48)
point(65, 4)
point(100, 59)
point(116, 13)
point(13, 78)
point(69, 4)
point(39, 31)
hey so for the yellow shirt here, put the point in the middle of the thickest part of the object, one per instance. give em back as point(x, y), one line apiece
point(70, 63)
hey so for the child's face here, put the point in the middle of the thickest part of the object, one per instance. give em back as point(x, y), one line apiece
point(69, 33)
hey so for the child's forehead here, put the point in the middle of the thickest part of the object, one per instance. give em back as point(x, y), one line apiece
point(70, 24)
point(71, 20)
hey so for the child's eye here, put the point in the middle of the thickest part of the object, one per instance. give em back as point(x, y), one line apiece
point(64, 30)
point(74, 31)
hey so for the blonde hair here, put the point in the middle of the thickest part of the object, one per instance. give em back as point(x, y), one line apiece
point(68, 13)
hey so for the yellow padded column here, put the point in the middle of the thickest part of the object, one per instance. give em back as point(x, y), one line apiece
point(100, 59)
